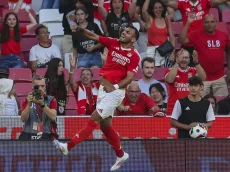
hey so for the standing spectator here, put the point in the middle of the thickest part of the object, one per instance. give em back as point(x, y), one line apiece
point(44, 51)
point(55, 84)
point(212, 100)
point(223, 106)
point(38, 113)
point(86, 50)
point(158, 28)
point(192, 109)
point(66, 6)
point(50, 4)
point(10, 37)
point(211, 47)
point(157, 92)
point(117, 18)
point(147, 65)
point(8, 103)
point(85, 90)
point(136, 103)
point(177, 77)
point(199, 8)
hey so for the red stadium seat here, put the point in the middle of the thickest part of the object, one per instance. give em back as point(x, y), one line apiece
point(177, 27)
point(215, 13)
point(28, 43)
point(21, 100)
point(71, 106)
point(221, 26)
point(25, 55)
point(70, 92)
point(159, 74)
point(226, 18)
point(4, 4)
point(20, 74)
point(22, 16)
point(138, 75)
point(23, 89)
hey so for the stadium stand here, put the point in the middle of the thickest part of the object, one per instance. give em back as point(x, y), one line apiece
point(215, 13)
point(71, 106)
point(49, 15)
point(20, 74)
point(226, 19)
point(23, 89)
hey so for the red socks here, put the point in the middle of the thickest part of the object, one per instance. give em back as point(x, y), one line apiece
point(113, 139)
point(82, 134)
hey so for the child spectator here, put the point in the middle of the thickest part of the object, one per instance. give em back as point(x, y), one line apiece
point(10, 37)
point(44, 51)
point(87, 51)
point(55, 84)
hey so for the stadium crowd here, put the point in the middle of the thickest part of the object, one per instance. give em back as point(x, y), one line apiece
point(70, 62)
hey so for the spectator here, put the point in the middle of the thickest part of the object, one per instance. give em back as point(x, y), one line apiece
point(8, 103)
point(44, 51)
point(192, 109)
point(200, 10)
point(223, 106)
point(26, 4)
point(223, 7)
point(212, 100)
point(136, 103)
point(158, 28)
point(157, 92)
point(50, 4)
point(39, 113)
point(66, 6)
point(117, 18)
point(147, 65)
point(177, 77)
point(86, 50)
point(211, 47)
point(85, 90)
point(55, 84)
point(10, 37)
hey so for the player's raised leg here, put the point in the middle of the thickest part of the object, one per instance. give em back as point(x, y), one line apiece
point(113, 139)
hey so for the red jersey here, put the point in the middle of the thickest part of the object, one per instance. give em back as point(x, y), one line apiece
point(211, 51)
point(179, 88)
point(119, 60)
point(11, 46)
point(142, 106)
point(200, 8)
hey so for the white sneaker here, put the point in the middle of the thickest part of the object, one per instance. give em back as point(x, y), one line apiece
point(62, 147)
point(119, 162)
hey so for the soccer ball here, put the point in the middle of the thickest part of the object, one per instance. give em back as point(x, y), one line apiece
point(199, 131)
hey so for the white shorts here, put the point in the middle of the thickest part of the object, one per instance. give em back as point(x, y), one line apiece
point(108, 102)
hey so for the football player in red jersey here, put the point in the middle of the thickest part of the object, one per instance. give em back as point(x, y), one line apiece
point(118, 71)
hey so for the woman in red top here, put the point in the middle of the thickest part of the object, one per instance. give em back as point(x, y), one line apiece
point(158, 29)
point(10, 37)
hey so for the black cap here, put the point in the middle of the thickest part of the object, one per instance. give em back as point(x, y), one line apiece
point(4, 70)
point(195, 80)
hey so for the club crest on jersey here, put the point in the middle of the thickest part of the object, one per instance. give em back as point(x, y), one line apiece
point(199, 7)
point(129, 54)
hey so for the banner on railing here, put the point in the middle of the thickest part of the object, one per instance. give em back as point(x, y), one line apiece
point(127, 127)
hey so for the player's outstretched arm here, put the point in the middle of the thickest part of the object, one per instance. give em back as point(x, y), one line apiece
point(18, 6)
point(170, 3)
point(129, 78)
point(89, 34)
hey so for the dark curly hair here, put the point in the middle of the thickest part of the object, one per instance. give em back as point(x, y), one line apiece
point(151, 7)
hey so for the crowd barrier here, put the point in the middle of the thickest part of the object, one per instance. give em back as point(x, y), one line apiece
point(168, 155)
point(127, 127)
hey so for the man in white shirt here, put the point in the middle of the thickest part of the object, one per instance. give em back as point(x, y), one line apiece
point(43, 52)
point(147, 65)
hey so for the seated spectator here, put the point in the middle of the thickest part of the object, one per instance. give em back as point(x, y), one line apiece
point(212, 100)
point(159, 28)
point(223, 106)
point(44, 51)
point(211, 48)
point(147, 65)
point(50, 4)
point(55, 84)
point(85, 90)
point(177, 77)
point(26, 4)
point(11, 32)
point(39, 113)
point(86, 50)
point(136, 103)
point(8, 103)
point(117, 18)
point(157, 92)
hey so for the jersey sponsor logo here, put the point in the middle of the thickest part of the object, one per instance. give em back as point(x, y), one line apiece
point(120, 58)
point(213, 43)
point(181, 86)
point(198, 15)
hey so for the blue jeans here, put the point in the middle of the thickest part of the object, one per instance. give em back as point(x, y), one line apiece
point(50, 4)
point(88, 60)
point(11, 61)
